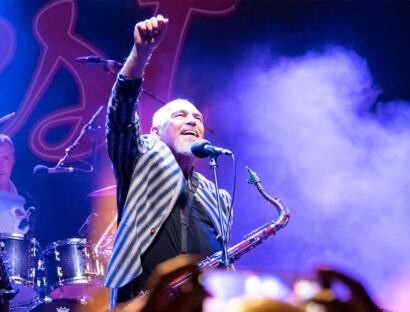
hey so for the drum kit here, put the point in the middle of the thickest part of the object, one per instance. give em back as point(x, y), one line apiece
point(62, 276)
point(66, 274)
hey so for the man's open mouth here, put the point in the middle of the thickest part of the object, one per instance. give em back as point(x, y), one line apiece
point(190, 132)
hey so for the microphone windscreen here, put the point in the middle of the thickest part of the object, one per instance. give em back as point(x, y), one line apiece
point(197, 148)
point(40, 169)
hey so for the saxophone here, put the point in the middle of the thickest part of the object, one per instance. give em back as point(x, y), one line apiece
point(250, 241)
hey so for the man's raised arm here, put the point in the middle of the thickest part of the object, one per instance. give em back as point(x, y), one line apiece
point(147, 36)
point(123, 130)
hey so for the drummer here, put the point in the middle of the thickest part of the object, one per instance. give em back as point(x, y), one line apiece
point(14, 218)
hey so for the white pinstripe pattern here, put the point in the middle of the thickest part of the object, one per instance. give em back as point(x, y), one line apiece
point(153, 192)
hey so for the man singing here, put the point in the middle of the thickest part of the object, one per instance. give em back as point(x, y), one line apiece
point(165, 208)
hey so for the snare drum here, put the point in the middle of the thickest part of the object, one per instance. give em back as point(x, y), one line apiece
point(23, 258)
point(73, 269)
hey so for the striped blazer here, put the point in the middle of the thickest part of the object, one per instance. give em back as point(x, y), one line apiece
point(149, 182)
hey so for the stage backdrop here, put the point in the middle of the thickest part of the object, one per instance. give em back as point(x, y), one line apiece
point(313, 96)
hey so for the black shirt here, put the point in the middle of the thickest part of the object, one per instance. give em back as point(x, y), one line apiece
point(201, 239)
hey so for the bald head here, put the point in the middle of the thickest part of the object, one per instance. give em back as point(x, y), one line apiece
point(163, 114)
point(178, 124)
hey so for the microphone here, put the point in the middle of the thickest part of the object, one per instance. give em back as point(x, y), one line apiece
point(92, 60)
point(203, 148)
point(111, 66)
point(41, 169)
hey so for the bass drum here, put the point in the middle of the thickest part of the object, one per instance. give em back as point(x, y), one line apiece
point(63, 305)
point(23, 260)
point(73, 269)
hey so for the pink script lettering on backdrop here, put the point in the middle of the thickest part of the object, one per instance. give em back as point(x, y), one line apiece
point(160, 74)
point(54, 28)
point(8, 43)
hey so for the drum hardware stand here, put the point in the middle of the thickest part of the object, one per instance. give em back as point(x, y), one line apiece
point(92, 127)
point(6, 290)
point(114, 67)
point(87, 225)
point(104, 235)
point(88, 126)
point(8, 294)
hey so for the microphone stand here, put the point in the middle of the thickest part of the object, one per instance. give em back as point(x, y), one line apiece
point(92, 127)
point(7, 117)
point(224, 248)
point(113, 67)
point(88, 126)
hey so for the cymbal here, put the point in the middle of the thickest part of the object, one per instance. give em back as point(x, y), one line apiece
point(106, 191)
point(8, 201)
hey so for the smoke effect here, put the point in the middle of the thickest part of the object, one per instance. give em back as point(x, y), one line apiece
point(312, 128)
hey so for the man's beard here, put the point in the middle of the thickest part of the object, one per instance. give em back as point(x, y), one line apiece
point(183, 148)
